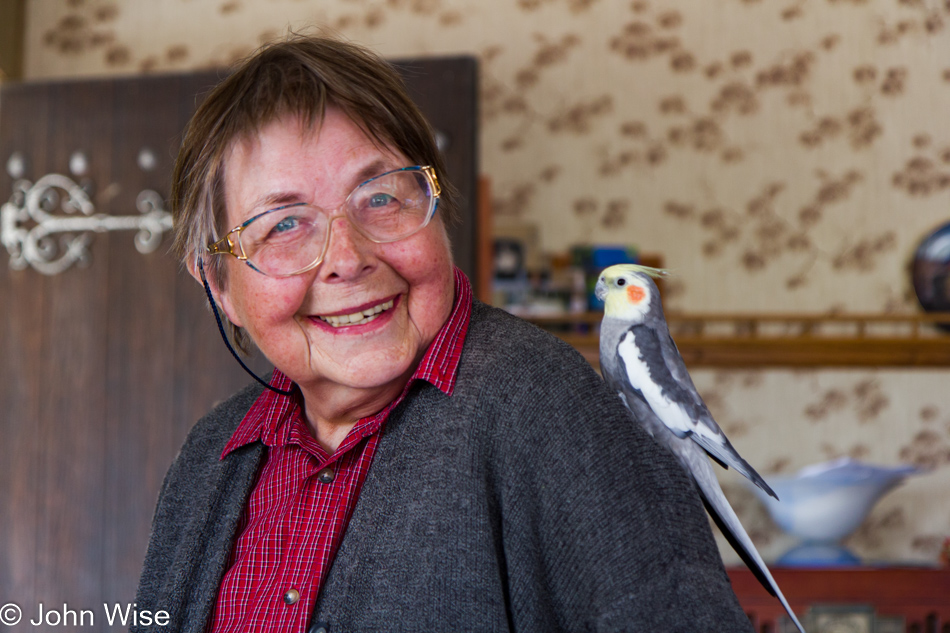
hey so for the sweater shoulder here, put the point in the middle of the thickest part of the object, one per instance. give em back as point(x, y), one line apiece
point(515, 369)
point(509, 343)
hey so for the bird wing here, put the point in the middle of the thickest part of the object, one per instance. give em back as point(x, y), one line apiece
point(654, 368)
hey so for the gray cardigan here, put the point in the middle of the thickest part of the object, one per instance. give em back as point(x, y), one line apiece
point(529, 501)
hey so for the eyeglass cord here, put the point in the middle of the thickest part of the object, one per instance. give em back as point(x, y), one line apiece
point(224, 337)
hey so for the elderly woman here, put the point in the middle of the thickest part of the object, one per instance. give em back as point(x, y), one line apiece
point(419, 460)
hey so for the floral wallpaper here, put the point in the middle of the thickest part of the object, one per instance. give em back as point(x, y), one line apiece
point(781, 155)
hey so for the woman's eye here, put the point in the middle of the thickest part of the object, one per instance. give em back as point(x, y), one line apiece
point(379, 200)
point(286, 224)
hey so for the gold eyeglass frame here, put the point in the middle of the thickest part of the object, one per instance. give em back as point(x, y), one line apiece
point(230, 244)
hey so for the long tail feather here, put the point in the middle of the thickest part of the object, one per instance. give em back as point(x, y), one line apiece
point(725, 517)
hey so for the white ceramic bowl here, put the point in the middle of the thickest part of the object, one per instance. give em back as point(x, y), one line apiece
point(824, 503)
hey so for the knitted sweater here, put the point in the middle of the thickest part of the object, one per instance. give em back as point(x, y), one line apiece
point(529, 500)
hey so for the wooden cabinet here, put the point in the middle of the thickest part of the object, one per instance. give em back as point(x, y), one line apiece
point(920, 596)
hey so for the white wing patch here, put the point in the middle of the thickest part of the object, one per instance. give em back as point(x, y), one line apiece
point(669, 412)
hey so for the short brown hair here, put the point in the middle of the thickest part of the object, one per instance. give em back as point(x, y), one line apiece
point(298, 76)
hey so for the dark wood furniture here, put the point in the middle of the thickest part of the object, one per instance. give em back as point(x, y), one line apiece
point(921, 596)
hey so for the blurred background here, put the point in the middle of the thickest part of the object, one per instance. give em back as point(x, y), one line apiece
point(777, 156)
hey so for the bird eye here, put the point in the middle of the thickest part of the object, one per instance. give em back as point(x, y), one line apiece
point(621, 282)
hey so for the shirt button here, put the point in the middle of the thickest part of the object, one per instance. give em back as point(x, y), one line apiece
point(291, 596)
point(317, 628)
point(326, 475)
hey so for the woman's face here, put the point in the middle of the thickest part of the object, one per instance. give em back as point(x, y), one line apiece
point(291, 319)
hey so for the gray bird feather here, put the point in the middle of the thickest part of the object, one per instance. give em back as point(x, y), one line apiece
point(649, 346)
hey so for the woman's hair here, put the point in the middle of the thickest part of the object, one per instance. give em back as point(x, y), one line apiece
point(297, 77)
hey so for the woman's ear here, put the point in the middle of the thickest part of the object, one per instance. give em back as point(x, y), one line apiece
point(221, 297)
point(193, 267)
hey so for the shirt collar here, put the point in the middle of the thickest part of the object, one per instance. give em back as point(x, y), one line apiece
point(271, 417)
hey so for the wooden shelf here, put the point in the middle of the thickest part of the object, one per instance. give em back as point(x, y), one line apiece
point(920, 595)
point(784, 340)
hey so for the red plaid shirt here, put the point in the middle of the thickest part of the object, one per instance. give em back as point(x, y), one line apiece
point(299, 508)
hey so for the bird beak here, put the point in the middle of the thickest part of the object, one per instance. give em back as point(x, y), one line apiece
point(600, 290)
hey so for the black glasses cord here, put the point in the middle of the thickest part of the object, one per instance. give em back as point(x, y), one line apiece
point(224, 336)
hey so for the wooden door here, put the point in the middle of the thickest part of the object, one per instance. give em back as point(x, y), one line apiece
point(105, 367)
point(446, 90)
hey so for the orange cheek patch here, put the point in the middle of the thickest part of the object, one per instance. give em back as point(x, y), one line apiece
point(635, 294)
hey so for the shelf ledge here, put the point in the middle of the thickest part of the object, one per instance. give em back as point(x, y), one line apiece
point(784, 340)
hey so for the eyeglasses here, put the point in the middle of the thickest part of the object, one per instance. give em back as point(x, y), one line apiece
point(293, 239)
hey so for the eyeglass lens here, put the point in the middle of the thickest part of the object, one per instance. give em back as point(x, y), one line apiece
point(290, 239)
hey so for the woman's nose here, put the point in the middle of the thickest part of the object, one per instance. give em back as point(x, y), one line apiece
point(349, 255)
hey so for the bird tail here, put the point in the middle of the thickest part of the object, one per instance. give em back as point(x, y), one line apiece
point(729, 457)
point(725, 517)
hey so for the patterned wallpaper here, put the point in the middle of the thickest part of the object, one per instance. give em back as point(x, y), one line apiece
point(782, 155)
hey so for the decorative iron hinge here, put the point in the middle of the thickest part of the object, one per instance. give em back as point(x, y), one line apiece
point(30, 226)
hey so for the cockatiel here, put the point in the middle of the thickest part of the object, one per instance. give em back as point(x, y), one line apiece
point(640, 362)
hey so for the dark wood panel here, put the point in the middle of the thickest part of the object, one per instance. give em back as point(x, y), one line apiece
point(23, 304)
point(139, 431)
point(916, 594)
point(69, 550)
point(446, 90)
point(91, 360)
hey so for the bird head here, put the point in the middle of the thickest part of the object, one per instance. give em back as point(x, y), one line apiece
point(627, 290)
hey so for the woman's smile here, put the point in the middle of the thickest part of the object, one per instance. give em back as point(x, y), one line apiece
point(363, 315)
